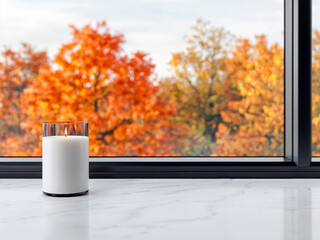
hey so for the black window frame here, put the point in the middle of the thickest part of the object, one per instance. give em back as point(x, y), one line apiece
point(297, 160)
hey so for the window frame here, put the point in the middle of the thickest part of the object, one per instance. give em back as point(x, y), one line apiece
point(297, 160)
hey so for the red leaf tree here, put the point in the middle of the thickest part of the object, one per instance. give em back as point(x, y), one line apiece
point(92, 79)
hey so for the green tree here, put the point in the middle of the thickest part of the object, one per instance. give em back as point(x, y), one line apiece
point(200, 86)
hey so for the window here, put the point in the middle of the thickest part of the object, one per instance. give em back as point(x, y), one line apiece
point(152, 78)
point(315, 80)
point(189, 80)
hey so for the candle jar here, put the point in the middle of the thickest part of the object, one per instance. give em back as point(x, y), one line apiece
point(65, 158)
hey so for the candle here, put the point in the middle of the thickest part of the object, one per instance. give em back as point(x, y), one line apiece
point(65, 158)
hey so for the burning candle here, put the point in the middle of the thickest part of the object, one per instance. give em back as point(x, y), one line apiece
point(65, 158)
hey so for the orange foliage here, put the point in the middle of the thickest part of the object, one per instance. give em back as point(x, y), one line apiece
point(92, 79)
point(217, 102)
point(316, 94)
point(254, 125)
point(17, 71)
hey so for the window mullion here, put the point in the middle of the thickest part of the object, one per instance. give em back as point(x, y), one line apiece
point(298, 40)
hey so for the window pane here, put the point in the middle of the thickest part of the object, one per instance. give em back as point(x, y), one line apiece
point(152, 77)
point(315, 79)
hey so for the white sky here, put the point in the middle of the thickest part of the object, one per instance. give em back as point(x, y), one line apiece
point(154, 26)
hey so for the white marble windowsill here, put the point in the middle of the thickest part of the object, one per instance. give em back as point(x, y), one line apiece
point(164, 209)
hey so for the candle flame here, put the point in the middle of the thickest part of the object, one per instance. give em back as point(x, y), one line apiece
point(65, 132)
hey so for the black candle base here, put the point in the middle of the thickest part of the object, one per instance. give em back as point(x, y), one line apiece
point(66, 195)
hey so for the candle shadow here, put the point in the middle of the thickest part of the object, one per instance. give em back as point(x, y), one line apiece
point(65, 218)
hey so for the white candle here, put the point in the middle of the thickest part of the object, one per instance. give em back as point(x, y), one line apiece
point(65, 164)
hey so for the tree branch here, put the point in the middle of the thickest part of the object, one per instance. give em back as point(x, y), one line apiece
point(111, 131)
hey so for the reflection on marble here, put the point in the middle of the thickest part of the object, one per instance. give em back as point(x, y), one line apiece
point(65, 220)
point(297, 213)
point(164, 209)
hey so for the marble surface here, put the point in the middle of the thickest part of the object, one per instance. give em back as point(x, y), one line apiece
point(164, 209)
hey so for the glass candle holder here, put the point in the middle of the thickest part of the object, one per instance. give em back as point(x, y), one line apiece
point(65, 158)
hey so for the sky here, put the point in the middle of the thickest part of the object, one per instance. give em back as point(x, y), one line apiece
point(157, 27)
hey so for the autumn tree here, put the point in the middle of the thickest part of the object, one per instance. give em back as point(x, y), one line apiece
point(225, 97)
point(254, 124)
point(316, 93)
point(199, 85)
point(93, 79)
point(18, 70)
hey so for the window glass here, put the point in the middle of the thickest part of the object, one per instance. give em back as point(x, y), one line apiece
point(315, 79)
point(152, 77)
